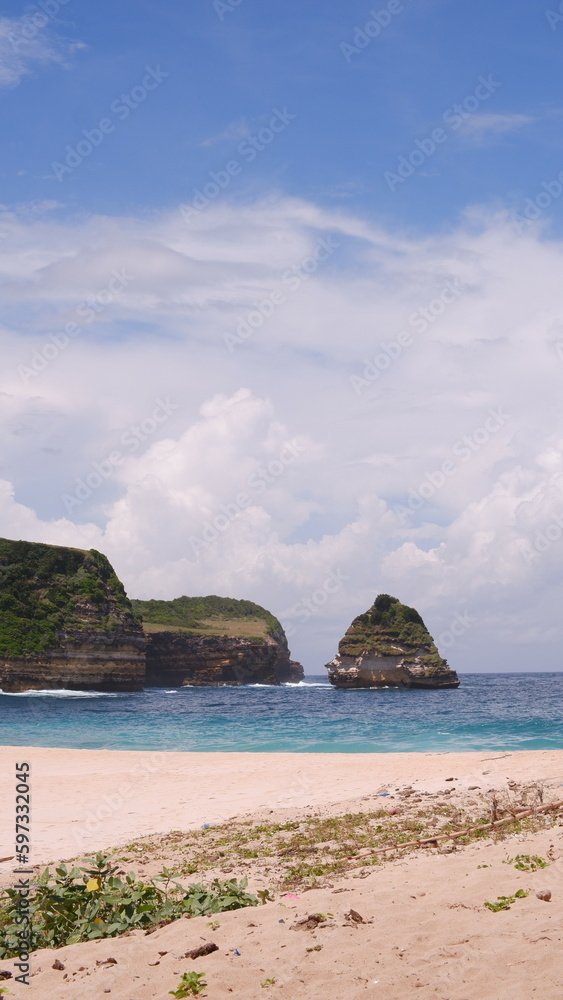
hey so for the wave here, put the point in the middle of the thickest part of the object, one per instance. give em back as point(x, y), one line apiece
point(60, 693)
point(306, 684)
point(157, 690)
point(290, 684)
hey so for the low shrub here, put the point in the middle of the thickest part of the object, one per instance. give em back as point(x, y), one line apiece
point(85, 903)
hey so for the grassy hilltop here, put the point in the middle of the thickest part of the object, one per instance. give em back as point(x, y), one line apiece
point(219, 616)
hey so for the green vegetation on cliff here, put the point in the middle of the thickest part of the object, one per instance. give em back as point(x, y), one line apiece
point(48, 588)
point(390, 628)
point(209, 616)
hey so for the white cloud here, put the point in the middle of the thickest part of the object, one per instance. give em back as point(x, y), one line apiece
point(484, 541)
point(238, 129)
point(488, 126)
point(26, 43)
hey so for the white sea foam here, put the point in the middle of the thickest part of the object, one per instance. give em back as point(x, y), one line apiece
point(155, 690)
point(59, 693)
point(307, 684)
point(290, 684)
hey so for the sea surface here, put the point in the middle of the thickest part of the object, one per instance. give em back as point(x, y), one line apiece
point(487, 712)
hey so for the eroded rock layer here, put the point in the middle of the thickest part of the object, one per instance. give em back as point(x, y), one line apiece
point(389, 646)
point(175, 659)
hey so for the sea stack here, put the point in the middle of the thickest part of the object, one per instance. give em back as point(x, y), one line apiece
point(389, 646)
point(65, 622)
point(214, 641)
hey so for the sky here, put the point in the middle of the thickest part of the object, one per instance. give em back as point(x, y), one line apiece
point(281, 309)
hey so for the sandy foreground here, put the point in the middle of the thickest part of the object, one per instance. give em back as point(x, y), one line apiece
point(424, 930)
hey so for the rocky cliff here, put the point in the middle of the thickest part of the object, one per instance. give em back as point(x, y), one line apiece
point(387, 646)
point(214, 640)
point(65, 621)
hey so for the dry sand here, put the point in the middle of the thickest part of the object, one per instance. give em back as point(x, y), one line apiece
point(88, 799)
point(425, 932)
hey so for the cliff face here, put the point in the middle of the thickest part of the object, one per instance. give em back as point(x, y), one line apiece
point(389, 646)
point(214, 640)
point(65, 621)
point(174, 659)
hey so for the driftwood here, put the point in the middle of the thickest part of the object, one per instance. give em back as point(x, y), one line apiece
point(431, 841)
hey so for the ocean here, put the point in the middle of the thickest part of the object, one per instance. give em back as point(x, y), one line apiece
point(487, 712)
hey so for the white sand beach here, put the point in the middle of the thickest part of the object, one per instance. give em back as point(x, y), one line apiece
point(424, 930)
point(84, 800)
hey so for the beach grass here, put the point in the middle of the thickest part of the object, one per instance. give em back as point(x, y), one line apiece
point(308, 851)
point(92, 901)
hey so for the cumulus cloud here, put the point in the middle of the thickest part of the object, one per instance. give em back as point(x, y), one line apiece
point(338, 399)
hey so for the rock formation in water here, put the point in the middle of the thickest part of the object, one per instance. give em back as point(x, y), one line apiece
point(65, 622)
point(389, 645)
point(214, 640)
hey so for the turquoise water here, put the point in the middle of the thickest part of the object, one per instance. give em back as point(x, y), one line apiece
point(488, 712)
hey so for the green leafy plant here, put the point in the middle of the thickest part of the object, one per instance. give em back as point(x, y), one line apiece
point(82, 904)
point(527, 862)
point(191, 984)
point(505, 902)
point(268, 982)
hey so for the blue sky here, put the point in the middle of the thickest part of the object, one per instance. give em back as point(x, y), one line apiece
point(305, 254)
point(356, 113)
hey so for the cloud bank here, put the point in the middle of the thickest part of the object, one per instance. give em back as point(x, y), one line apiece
point(276, 393)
